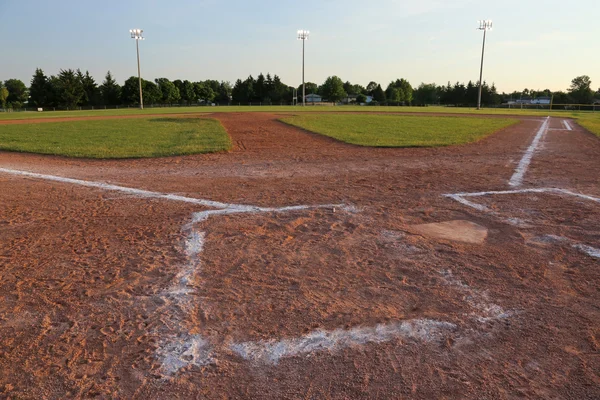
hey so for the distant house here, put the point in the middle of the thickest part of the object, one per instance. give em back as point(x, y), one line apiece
point(541, 100)
point(313, 98)
point(351, 98)
point(528, 100)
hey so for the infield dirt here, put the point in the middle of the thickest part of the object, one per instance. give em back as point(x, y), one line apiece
point(83, 271)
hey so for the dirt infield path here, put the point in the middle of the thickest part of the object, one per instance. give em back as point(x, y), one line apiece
point(112, 295)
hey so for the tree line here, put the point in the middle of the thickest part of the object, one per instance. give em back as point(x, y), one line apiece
point(70, 89)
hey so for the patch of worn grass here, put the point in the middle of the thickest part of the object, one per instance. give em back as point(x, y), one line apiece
point(399, 130)
point(117, 138)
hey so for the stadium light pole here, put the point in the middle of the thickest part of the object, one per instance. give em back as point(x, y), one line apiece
point(303, 35)
point(484, 25)
point(137, 35)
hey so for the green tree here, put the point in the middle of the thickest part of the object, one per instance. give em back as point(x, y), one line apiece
point(581, 90)
point(333, 89)
point(310, 88)
point(110, 91)
point(130, 92)
point(17, 93)
point(90, 88)
point(39, 90)
point(203, 92)
point(3, 95)
point(379, 94)
point(371, 87)
point(170, 93)
point(70, 90)
point(151, 92)
point(361, 98)
point(427, 93)
point(187, 92)
point(224, 92)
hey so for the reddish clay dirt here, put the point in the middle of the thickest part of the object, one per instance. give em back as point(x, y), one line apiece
point(83, 271)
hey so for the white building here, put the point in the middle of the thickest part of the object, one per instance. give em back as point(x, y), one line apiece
point(313, 98)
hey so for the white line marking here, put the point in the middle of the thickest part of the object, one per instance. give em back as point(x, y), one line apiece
point(517, 177)
point(460, 197)
point(566, 124)
point(589, 250)
point(122, 189)
point(224, 208)
point(272, 351)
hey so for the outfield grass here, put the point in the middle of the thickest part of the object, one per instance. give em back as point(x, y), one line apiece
point(117, 138)
point(399, 130)
point(287, 109)
point(590, 122)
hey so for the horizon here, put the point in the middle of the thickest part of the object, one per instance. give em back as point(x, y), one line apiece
point(430, 42)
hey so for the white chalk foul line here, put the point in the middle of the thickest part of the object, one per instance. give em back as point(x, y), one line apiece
point(223, 208)
point(566, 124)
point(517, 178)
point(460, 197)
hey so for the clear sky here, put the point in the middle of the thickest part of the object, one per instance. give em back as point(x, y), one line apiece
point(535, 44)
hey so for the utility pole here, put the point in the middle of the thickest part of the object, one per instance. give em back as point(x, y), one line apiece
point(484, 25)
point(303, 35)
point(137, 35)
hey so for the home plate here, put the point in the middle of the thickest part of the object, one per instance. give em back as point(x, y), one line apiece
point(457, 230)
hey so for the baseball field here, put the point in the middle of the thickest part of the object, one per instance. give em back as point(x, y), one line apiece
point(274, 253)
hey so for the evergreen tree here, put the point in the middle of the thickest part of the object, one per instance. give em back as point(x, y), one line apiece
point(379, 94)
point(39, 89)
point(110, 91)
point(70, 89)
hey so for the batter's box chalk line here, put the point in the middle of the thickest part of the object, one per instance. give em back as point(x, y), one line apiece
point(464, 198)
point(177, 348)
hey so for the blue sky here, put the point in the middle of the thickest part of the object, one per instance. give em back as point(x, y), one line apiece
point(535, 44)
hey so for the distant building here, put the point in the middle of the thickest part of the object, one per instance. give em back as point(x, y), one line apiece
point(542, 100)
point(313, 98)
point(529, 100)
point(351, 98)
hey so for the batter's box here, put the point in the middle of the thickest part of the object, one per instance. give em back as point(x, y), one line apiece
point(558, 215)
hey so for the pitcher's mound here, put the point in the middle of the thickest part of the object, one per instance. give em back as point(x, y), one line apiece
point(458, 230)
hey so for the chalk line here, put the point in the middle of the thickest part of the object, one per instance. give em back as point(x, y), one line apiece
point(517, 178)
point(223, 208)
point(272, 351)
point(589, 250)
point(421, 329)
point(566, 124)
point(460, 197)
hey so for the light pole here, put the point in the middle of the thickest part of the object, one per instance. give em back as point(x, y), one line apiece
point(137, 35)
point(485, 25)
point(303, 35)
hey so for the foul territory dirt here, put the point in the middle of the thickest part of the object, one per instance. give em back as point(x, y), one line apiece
point(87, 306)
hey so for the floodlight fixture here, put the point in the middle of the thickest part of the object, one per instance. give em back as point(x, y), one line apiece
point(484, 25)
point(303, 35)
point(137, 34)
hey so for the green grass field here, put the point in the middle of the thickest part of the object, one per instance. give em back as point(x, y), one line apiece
point(591, 123)
point(118, 138)
point(286, 109)
point(399, 130)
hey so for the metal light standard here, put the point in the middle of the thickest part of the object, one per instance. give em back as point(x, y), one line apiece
point(137, 35)
point(485, 25)
point(303, 35)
